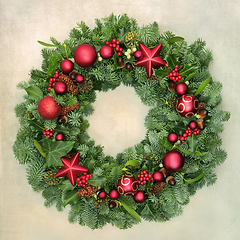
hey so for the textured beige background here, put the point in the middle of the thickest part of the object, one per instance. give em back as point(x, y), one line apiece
point(213, 213)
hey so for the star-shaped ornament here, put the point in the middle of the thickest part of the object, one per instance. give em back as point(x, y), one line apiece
point(71, 168)
point(151, 58)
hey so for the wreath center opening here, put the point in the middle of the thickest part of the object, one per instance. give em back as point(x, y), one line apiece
point(118, 120)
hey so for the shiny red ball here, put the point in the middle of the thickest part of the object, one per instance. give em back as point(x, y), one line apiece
point(67, 66)
point(79, 78)
point(173, 161)
point(48, 108)
point(193, 125)
point(60, 88)
point(172, 137)
point(106, 52)
point(102, 195)
point(187, 105)
point(59, 137)
point(181, 88)
point(139, 197)
point(138, 54)
point(127, 185)
point(158, 176)
point(85, 55)
point(114, 194)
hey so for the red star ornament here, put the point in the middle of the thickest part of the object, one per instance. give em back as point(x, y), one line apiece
point(71, 168)
point(151, 58)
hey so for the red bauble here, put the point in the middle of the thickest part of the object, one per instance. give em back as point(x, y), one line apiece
point(114, 194)
point(172, 137)
point(48, 108)
point(193, 125)
point(140, 196)
point(60, 88)
point(71, 168)
point(106, 52)
point(102, 195)
point(158, 176)
point(59, 137)
point(173, 161)
point(127, 185)
point(181, 88)
point(138, 54)
point(79, 78)
point(187, 105)
point(85, 55)
point(67, 66)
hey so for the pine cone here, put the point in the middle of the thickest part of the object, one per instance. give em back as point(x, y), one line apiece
point(66, 110)
point(157, 188)
point(71, 87)
point(87, 191)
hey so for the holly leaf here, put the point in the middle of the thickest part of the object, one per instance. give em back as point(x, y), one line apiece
point(71, 197)
point(34, 92)
point(164, 143)
point(203, 85)
point(89, 163)
point(97, 181)
point(197, 153)
point(175, 39)
point(161, 73)
point(37, 125)
point(53, 64)
point(192, 143)
point(66, 185)
point(62, 129)
point(55, 150)
point(189, 68)
point(130, 210)
point(179, 128)
point(171, 60)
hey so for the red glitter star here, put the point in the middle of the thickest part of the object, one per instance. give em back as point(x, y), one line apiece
point(71, 168)
point(151, 58)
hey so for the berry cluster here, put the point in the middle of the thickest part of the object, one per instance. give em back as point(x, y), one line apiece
point(48, 133)
point(144, 177)
point(115, 44)
point(53, 80)
point(83, 180)
point(174, 75)
point(189, 132)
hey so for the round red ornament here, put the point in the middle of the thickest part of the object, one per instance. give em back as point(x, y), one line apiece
point(102, 195)
point(114, 194)
point(106, 52)
point(187, 105)
point(48, 108)
point(172, 137)
point(140, 196)
point(138, 54)
point(158, 176)
point(193, 125)
point(181, 89)
point(60, 88)
point(127, 185)
point(67, 66)
point(59, 137)
point(79, 78)
point(85, 55)
point(173, 161)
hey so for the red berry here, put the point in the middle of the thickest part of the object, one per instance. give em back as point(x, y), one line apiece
point(49, 88)
point(114, 45)
point(114, 40)
point(170, 74)
point(117, 49)
point(117, 42)
point(120, 49)
point(177, 66)
point(179, 77)
point(110, 45)
point(107, 42)
point(119, 54)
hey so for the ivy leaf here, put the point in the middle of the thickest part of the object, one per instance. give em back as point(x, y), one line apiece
point(194, 177)
point(66, 185)
point(34, 92)
point(97, 181)
point(130, 210)
point(55, 150)
point(189, 68)
point(203, 85)
point(175, 39)
point(71, 197)
point(192, 142)
point(53, 64)
point(171, 60)
point(37, 125)
point(89, 163)
point(48, 45)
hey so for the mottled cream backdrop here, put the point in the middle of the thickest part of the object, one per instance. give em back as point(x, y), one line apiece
point(213, 213)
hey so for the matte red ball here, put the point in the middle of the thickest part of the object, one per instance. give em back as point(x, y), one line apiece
point(127, 185)
point(138, 54)
point(173, 161)
point(48, 108)
point(59, 137)
point(172, 137)
point(60, 88)
point(85, 55)
point(158, 176)
point(106, 52)
point(102, 195)
point(181, 88)
point(67, 66)
point(193, 125)
point(114, 194)
point(140, 196)
point(79, 78)
point(187, 105)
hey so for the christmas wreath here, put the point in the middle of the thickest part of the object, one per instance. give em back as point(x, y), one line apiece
point(152, 180)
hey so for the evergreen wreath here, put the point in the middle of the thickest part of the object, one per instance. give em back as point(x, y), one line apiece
point(152, 180)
